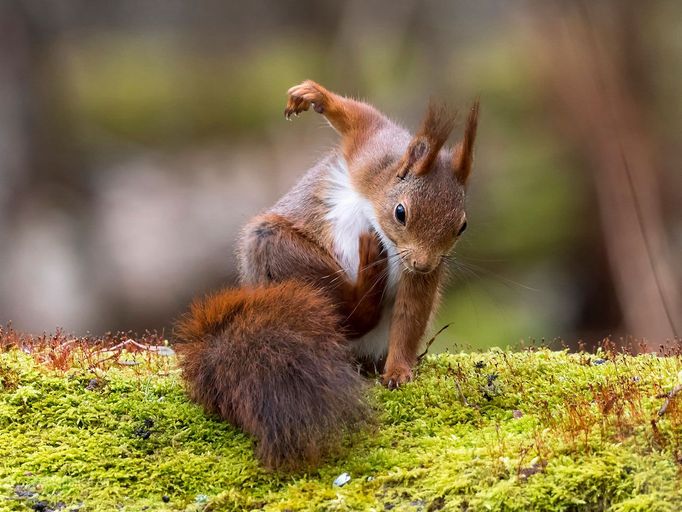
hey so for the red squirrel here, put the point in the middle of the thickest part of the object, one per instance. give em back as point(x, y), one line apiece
point(346, 267)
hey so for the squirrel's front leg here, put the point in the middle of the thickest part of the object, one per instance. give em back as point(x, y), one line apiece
point(352, 119)
point(415, 299)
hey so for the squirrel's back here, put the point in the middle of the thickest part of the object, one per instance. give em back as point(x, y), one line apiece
point(272, 361)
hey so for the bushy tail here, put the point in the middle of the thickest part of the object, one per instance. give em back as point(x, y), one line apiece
point(273, 361)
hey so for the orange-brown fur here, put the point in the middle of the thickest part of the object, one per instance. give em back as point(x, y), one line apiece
point(277, 251)
point(354, 120)
point(275, 356)
point(438, 205)
point(271, 360)
point(426, 145)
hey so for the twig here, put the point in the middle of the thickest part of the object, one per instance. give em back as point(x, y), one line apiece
point(104, 360)
point(430, 342)
point(116, 351)
point(669, 398)
point(130, 341)
point(461, 394)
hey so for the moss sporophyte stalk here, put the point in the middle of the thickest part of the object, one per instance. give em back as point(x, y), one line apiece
point(533, 430)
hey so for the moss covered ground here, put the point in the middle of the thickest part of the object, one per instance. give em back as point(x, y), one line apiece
point(98, 430)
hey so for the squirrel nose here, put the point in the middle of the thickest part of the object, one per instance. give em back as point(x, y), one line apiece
point(422, 268)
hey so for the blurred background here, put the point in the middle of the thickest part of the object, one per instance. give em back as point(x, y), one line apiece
point(137, 136)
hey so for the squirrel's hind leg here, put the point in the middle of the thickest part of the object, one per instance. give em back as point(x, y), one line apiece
point(273, 250)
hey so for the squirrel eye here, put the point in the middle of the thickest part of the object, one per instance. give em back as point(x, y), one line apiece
point(462, 228)
point(400, 214)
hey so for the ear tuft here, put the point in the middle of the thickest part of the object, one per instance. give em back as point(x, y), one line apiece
point(437, 125)
point(463, 158)
point(435, 130)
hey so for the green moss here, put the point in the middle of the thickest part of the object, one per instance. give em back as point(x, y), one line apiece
point(492, 431)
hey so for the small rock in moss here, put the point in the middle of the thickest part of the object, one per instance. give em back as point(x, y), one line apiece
point(341, 480)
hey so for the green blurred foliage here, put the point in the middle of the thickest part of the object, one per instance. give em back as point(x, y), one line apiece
point(525, 209)
point(525, 199)
point(215, 83)
point(150, 90)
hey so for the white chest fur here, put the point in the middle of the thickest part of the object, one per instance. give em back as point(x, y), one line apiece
point(350, 214)
point(346, 215)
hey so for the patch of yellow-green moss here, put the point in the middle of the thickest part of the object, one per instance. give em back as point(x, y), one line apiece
point(534, 430)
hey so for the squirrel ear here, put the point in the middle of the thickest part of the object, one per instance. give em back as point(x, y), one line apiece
point(415, 157)
point(424, 147)
point(463, 157)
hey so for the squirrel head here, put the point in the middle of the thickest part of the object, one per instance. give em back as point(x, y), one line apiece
point(420, 204)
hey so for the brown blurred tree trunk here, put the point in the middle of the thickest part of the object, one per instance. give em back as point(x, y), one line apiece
point(593, 64)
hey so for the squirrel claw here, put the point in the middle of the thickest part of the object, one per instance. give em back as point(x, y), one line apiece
point(395, 378)
point(302, 96)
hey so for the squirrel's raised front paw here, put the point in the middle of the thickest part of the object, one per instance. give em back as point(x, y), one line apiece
point(303, 95)
point(395, 377)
